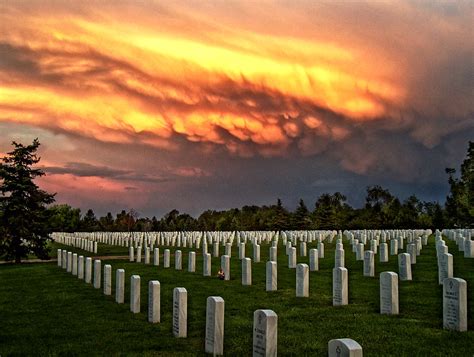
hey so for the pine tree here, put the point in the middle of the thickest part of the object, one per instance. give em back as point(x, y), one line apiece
point(281, 218)
point(24, 225)
point(301, 217)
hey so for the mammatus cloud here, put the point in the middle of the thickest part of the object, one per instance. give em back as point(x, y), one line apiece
point(189, 88)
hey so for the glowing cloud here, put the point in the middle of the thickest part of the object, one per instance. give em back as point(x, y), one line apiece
point(189, 87)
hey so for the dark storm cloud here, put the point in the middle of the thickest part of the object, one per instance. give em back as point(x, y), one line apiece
point(81, 169)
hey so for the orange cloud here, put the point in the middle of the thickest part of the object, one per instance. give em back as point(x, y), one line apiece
point(150, 74)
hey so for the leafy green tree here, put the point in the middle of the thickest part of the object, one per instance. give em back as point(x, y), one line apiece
point(143, 225)
point(23, 214)
point(331, 211)
point(125, 221)
point(186, 222)
point(107, 222)
point(379, 206)
point(408, 214)
point(64, 218)
point(207, 220)
point(460, 201)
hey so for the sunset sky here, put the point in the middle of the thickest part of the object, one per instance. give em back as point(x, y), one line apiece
point(155, 105)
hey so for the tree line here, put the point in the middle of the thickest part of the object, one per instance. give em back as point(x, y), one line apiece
point(382, 210)
point(27, 213)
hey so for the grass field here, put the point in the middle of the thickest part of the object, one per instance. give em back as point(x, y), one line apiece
point(46, 311)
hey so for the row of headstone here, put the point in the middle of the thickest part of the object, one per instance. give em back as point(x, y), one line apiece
point(76, 242)
point(463, 240)
point(265, 321)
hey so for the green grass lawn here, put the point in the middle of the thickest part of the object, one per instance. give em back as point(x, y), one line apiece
point(46, 311)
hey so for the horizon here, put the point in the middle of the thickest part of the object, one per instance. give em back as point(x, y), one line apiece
point(200, 105)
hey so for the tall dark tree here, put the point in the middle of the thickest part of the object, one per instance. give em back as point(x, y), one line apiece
point(460, 201)
point(379, 204)
point(107, 222)
point(331, 211)
point(281, 217)
point(408, 213)
point(301, 218)
point(23, 214)
point(89, 222)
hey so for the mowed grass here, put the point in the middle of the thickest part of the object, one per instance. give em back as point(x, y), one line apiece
point(46, 311)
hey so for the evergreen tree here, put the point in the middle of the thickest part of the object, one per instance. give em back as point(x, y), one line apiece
point(281, 217)
point(301, 217)
point(89, 222)
point(331, 211)
point(24, 225)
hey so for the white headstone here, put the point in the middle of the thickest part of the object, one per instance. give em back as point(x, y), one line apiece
point(80, 267)
point(97, 273)
point(393, 247)
point(214, 342)
point(340, 290)
point(273, 254)
point(321, 250)
point(411, 249)
point(241, 251)
point(154, 301)
point(178, 262)
point(360, 252)
point(383, 254)
point(166, 258)
point(292, 258)
point(303, 249)
point(147, 254)
point(339, 261)
point(256, 253)
point(468, 248)
point(139, 254)
point(445, 267)
point(206, 270)
point(265, 333)
point(271, 276)
point(107, 279)
point(135, 294)
point(215, 250)
point(455, 304)
point(404, 266)
point(246, 271)
point(313, 260)
point(60, 256)
point(88, 276)
point(74, 264)
point(344, 347)
point(131, 253)
point(191, 262)
point(369, 268)
point(69, 262)
point(120, 286)
point(180, 312)
point(389, 293)
point(302, 280)
point(64, 259)
point(156, 256)
point(228, 249)
point(225, 266)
